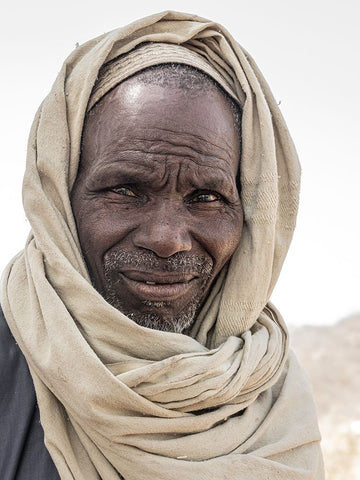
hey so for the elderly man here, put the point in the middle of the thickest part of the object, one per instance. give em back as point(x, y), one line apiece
point(161, 188)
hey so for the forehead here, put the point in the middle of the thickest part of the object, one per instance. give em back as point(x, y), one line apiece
point(158, 117)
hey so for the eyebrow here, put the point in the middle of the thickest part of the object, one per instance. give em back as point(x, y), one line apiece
point(121, 173)
point(124, 172)
point(214, 181)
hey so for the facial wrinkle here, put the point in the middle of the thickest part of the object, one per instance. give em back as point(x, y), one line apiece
point(115, 261)
point(184, 139)
point(155, 136)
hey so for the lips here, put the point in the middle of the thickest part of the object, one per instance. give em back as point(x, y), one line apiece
point(158, 286)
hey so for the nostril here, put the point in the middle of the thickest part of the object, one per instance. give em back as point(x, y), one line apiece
point(163, 238)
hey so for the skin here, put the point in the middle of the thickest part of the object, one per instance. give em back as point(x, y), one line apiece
point(155, 200)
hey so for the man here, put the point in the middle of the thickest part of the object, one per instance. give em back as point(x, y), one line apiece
point(160, 222)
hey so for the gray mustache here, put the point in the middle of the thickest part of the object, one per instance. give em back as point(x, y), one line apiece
point(148, 261)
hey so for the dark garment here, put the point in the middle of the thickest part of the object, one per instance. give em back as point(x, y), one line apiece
point(23, 455)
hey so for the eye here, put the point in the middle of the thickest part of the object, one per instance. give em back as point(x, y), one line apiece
point(205, 197)
point(126, 191)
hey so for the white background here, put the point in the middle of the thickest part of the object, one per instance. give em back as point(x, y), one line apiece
point(309, 52)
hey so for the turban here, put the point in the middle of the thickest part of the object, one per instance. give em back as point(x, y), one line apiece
point(115, 398)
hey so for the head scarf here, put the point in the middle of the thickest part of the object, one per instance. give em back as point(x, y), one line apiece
point(116, 398)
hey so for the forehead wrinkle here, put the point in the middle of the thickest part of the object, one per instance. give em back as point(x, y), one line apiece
point(196, 174)
point(182, 132)
point(155, 152)
point(186, 135)
point(162, 159)
point(213, 178)
point(132, 170)
point(152, 140)
point(194, 146)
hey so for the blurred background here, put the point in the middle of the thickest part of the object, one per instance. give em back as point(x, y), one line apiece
point(308, 51)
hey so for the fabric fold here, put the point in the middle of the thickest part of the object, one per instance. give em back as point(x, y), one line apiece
point(119, 399)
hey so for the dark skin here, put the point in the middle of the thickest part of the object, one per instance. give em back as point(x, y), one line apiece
point(156, 196)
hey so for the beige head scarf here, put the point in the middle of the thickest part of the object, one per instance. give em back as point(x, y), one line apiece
point(114, 397)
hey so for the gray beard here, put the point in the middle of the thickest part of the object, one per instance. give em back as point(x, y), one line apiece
point(156, 320)
point(180, 263)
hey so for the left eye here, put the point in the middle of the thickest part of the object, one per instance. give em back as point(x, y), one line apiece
point(126, 191)
point(206, 197)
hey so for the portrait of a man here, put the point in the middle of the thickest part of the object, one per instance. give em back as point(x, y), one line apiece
point(138, 339)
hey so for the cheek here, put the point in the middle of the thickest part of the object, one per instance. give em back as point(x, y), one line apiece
point(99, 228)
point(222, 236)
point(104, 230)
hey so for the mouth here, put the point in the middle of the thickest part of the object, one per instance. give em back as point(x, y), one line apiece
point(162, 286)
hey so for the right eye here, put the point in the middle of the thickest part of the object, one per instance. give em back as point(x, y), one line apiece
point(120, 190)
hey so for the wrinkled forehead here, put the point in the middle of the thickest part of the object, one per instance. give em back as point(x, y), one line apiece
point(169, 67)
point(163, 118)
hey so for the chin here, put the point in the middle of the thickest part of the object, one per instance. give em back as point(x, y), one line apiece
point(156, 315)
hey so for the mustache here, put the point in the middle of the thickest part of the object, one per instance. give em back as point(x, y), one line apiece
point(180, 262)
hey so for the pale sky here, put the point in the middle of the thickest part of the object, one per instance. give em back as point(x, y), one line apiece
point(308, 50)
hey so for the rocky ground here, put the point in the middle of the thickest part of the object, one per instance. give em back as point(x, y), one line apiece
point(331, 355)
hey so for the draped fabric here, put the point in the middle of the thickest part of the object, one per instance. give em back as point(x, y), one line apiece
point(115, 398)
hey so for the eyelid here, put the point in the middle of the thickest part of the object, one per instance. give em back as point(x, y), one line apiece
point(128, 188)
point(198, 193)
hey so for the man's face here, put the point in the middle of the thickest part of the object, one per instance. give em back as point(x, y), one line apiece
point(155, 200)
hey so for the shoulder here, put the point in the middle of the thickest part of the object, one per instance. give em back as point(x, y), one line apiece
point(23, 454)
point(13, 367)
point(17, 400)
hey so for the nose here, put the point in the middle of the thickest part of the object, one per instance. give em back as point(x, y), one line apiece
point(164, 231)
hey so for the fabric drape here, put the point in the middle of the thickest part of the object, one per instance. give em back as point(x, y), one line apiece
point(228, 401)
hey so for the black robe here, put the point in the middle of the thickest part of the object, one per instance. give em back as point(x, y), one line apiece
point(23, 455)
